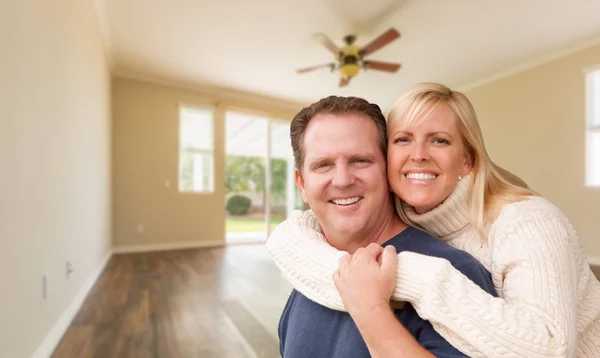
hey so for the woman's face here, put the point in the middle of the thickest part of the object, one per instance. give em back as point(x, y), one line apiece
point(426, 160)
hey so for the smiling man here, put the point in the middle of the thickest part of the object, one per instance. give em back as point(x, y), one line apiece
point(340, 147)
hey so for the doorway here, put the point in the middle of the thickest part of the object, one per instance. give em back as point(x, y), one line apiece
point(260, 191)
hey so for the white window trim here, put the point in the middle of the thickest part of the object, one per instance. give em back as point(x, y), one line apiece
point(590, 158)
point(211, 179)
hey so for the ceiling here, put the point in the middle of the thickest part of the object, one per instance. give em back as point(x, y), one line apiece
point(256, 46)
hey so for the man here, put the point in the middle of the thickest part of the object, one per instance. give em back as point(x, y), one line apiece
point(340, 147)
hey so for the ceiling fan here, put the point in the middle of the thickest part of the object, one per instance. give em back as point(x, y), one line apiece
point(350, 58)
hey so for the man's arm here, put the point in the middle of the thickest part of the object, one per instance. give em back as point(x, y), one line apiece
point(364, 287)
point(426, 336)
point(386, 337)
point(382, 332)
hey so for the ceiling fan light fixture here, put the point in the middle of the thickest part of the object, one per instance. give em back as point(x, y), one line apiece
point(350, 58)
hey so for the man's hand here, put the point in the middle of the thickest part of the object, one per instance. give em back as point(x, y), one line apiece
point(365, 284)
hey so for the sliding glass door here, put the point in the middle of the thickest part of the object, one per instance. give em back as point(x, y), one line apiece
point(284, 195)
point(260, 191)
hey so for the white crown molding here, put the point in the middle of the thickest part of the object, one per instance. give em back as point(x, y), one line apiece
point(220, 94)
point(101, 12)
point(527, 65)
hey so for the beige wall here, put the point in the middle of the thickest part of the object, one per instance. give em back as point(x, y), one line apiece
point(534, 125)
point(54, 163)
point(145, 156)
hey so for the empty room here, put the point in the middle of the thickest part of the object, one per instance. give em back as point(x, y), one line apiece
point(176, 181)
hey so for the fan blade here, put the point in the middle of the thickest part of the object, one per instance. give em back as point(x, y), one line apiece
point(344, 81)
point(383, 39)
point(325, 41)
point(312, 68)
point(382, 66)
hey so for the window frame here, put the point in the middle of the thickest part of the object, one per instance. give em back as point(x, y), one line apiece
point(592, 112)
point(180, 150)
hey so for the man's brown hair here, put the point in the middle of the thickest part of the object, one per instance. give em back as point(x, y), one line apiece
point(335, 105)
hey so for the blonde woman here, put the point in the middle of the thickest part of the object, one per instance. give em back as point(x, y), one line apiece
point(446, 184)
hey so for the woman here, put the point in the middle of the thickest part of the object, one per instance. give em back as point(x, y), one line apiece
point(549, 300)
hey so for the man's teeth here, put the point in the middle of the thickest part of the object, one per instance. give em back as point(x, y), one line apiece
point(421, 176)
point(347, 201)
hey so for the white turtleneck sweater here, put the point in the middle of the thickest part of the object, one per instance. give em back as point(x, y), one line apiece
point(549, 300)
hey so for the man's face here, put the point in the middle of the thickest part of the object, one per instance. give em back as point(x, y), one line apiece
point(343, 178)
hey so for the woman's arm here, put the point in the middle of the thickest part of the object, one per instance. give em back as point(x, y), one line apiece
point(305, 258)
point(308, 262)
point(536, 316)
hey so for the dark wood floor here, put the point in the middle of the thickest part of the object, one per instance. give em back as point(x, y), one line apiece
point(223, 302)
point(596, 270)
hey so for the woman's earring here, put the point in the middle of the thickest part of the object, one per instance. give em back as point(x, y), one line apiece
point(459, 177)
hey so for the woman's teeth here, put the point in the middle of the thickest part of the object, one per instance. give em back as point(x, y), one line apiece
point(347, 201)
point(421, 176)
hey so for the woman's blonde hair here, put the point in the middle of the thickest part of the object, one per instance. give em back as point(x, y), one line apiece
point(493, 187)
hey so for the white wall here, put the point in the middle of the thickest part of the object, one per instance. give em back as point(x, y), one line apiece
point(54, 163)
point(534, 126)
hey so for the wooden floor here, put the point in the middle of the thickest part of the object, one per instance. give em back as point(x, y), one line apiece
point(222, 302)
point(596, 270)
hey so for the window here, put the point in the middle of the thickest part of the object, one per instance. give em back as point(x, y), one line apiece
point(592, 175)
point(196, 150)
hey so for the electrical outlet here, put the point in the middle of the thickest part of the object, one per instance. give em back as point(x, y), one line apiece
point(68, 268)
point(140, 229)
point(45, 284)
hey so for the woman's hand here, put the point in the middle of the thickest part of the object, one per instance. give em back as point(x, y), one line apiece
point(365, 284)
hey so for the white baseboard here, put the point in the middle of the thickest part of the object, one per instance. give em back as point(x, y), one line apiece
point(53, 337)
point(593, 260)
point(169, 246)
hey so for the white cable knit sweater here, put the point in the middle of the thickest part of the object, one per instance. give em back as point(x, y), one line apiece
point(549, 300)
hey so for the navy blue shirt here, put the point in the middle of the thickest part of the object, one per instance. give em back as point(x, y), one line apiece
point(307, 329)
